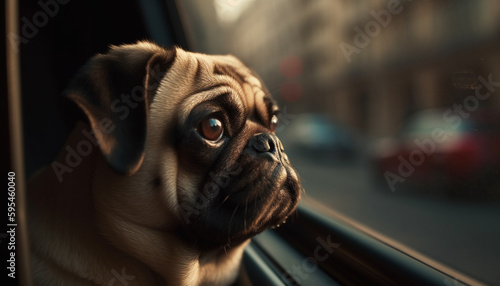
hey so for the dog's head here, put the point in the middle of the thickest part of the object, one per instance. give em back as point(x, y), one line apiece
point(189, 140)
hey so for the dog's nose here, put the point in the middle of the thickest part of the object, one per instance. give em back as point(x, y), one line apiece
point(267, 145)
point(263, 143)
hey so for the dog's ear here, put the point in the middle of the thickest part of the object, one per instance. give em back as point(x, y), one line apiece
point(114, 91)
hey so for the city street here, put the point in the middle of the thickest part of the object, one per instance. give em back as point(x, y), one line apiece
point(462, 234)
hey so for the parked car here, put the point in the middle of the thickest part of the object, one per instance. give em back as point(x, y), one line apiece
point(442, 149)
point(319, 137)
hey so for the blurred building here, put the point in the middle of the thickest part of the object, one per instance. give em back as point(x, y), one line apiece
point(370, 64)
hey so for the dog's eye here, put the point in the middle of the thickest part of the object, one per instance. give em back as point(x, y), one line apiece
point(211, 129)
point(274, 123)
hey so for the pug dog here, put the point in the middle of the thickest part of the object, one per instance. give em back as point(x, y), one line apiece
point(176, 167)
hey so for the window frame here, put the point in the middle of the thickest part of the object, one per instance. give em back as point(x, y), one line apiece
point(363, 256)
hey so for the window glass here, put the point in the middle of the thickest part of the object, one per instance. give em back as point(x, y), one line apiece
point(390, 111)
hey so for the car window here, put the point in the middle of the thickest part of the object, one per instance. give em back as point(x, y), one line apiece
point(350, 77)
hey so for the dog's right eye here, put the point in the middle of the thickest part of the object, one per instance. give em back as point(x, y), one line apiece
point(211, 128)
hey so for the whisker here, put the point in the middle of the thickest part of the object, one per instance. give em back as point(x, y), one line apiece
point(231, 220)
point(225, 199)
point(273, 87)
point(245, 217)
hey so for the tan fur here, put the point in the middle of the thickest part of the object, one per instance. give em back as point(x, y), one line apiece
point(96, 223)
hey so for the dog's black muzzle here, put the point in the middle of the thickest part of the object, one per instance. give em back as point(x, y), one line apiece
point(266, 145)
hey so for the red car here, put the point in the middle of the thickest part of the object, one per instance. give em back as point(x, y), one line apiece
point(443, 149)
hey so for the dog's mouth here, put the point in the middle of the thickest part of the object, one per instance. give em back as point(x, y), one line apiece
point(243, 202)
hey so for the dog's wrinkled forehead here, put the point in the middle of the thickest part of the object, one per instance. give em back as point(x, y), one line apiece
point(206, 77)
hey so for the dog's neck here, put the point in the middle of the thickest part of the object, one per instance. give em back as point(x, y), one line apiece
point(63, 232)
point(67, 240)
